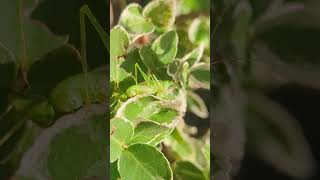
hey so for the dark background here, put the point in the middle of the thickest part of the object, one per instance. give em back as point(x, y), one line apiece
point(304, 104)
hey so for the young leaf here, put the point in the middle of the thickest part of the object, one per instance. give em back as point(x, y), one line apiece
point(133, 21)
point(119, 42)
point(194, 56)
point(147, 108)
point(150, 133)
point(166, 47)
point(199, 32)
point(121, 132)
point(141, 161)
point(161, 12)
point(189, 6)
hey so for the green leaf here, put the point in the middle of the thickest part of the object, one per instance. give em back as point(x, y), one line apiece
point(27, 39)
point(189, 6)
point(166, 47)
point(147, 108)
point(86, 145)
point(150, 133)
point(72, 93)
point(161, 12)
point(114, 173)
point(121, 132)
point(119, 42)
point(79, 137)
point(194, 56)
point(199, 32)
point(185, 170)
point(149, 58)
point(133, 21)
point(141, 161)
point(179, 143)
point(178, 71)
point(35, 108)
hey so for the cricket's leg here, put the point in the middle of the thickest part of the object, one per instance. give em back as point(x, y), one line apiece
point(86, 12)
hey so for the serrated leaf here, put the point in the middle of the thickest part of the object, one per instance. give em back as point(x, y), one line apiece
point(166, 47)
point(141, 161)
point(36, 40)
point(150, 133)
point(185, 170)
point(70, 94)
point(133, 21)
point(161, 12)
point(121, 132)
point(119, 42)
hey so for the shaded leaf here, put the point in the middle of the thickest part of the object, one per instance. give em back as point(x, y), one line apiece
point(185, 170)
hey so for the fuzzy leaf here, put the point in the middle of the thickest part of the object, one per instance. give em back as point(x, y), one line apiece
point(133, 21)
point(119, 42)
point(161, 13)
point(199, 32)
point(166, 47)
